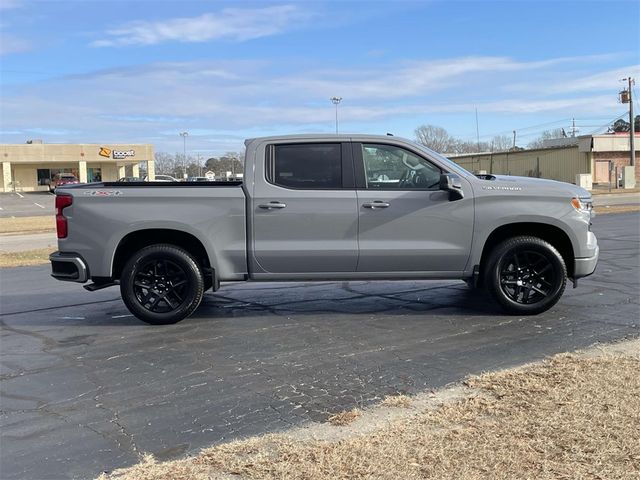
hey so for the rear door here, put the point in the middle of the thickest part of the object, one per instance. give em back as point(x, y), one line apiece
point(305, 209)
point(406, 224)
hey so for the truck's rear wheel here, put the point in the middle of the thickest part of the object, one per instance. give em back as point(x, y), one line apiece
point(525, 275)
point(162, 284)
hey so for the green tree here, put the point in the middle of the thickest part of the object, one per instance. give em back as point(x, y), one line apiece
point(621, 125)
point(229, 162)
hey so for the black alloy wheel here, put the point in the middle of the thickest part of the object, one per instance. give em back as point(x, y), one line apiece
point(159, 285)
point(162, 284)
point(526, 275)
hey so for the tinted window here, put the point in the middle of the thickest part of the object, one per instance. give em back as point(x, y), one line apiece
point(305, 166)
point(390, 167)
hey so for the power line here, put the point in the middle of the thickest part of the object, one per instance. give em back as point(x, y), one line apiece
point(504, 132)
point(609, 123)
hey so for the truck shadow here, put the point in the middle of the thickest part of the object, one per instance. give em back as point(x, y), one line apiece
point(277, 300)
point(348, 298)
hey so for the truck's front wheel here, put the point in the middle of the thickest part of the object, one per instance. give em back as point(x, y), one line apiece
point(161, 284)
point(525, 275)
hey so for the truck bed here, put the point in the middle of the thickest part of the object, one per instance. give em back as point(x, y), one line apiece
point(104, 215)
point(234, 183)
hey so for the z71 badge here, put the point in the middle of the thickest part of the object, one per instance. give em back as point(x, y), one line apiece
point(103, 193)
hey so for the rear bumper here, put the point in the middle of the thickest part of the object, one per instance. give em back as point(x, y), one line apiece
point(586, 266)
point(69, 267)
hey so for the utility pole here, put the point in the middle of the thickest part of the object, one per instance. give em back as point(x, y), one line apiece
point(574, 129)
point(477, 133)
point(627, 97)
point(632, 126)
point(514, 139)
point(336, 101)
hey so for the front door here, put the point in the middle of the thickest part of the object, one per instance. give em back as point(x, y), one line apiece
point(602, 172)
point(406, 224)
point(305, 210)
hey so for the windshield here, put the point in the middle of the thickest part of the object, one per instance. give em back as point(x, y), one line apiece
point(454, 166)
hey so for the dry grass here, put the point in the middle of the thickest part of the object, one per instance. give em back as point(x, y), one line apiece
point(344, 418)
point(399, 401)
point(26, 258)
point(603, 210)
point(45, 223)
point(568, 417)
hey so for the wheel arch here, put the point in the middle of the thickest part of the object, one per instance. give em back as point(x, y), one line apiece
point(552, 234)
point(138, 239)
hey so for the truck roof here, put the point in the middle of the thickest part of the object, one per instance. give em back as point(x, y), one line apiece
point(325, 136)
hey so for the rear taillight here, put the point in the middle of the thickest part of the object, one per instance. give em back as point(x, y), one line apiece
point(62, 201)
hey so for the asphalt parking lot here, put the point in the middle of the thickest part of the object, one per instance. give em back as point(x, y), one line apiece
point(31, 204)
point(86, 387)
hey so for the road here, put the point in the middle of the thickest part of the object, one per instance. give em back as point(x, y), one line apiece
point(86, 387)
point(26, 204)
point(616, 199)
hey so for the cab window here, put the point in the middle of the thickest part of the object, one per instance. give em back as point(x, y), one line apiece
point(388, 167)
point(308, 166)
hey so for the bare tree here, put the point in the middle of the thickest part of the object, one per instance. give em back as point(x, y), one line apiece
point(435, 138)
point(500, 143)
point(165, 163)
point(174, 165)
point(438, 139)
point(547, 135)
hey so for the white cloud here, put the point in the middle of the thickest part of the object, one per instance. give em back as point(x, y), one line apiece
point(579, 81)
point(236, 24)
point(215, 99)
point(10, 4)
point(12, 44)
point(600, 81)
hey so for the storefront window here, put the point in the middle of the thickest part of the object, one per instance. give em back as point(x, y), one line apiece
point(44, 176)
point(94, 175)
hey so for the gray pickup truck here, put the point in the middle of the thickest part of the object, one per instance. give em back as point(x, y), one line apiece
point(326, 207)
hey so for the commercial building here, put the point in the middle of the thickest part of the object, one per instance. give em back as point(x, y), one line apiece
point(31, 166)
point(599, 156)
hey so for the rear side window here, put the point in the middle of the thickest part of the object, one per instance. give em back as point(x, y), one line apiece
point(306, 166)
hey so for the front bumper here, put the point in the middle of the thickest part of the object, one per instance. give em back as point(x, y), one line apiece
point(585, 266)
point(69, 267)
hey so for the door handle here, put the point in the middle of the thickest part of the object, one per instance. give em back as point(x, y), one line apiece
point(272, 205)
point(376, 204)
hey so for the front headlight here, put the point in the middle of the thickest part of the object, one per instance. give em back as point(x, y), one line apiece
point(582, 204)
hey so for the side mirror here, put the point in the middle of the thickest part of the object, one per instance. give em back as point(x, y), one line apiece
point(450, 182)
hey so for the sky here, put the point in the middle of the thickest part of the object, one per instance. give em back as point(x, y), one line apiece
point(143, 71)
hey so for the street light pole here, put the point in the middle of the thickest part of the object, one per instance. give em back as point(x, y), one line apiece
point(632, 125)
point(184, 136)
point(336, 101)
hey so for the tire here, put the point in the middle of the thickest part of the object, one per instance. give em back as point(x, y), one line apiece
point(525, 275)
point(161, 284)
